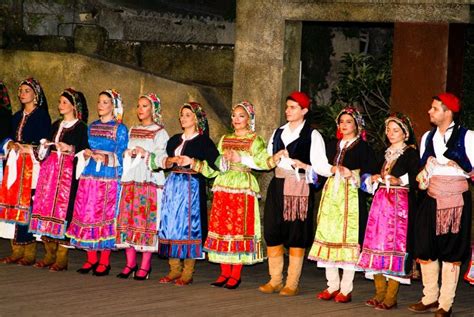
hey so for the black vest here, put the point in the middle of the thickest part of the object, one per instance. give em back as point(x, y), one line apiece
point(456, 150)
point(299, 148)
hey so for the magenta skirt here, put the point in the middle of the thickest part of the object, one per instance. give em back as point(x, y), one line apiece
point(51, 201)
point(93, 224)
point(385, 242)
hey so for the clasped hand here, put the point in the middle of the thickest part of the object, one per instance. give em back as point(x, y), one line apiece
point(98, 157)
point(180, 160)
point(232, 156)
point(394, 181)
point(19, 148)
point(136, 151)
point(295, 163)
point(343, 171)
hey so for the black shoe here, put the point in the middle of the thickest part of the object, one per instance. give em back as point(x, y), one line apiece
point(235, 285)
point(92, 267)
point(222, 283)
point(132, 271)
point(102, 273)
point(142, 278)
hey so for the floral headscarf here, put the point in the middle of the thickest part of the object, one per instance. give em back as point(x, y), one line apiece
point(359, 121)
point(201, 119)
point(117, 101)
point(78, 100)
point(405, 124)
point(156, 103)
point(249, 108)
point(4, 98)
point(40, 98)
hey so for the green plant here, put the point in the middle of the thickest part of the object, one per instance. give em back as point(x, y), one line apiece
point(365, 83)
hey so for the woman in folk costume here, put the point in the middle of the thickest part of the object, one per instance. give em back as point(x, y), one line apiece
point(93, 225)
point(342, 214)
point(386, 253)
point(183, 227)
point(57, 184)
point(5, 123)
point(29, 125)
point(140, 200)
point(235, 237)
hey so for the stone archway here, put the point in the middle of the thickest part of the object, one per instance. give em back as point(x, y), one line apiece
point(268, 41)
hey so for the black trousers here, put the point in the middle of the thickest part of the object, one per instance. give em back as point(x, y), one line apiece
point(292, 234)
point(450, 247)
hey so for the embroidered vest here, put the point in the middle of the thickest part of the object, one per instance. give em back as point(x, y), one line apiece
point(299, 148)
point(456, 150)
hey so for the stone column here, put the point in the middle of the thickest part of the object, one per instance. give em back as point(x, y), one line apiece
point(258, 63)
point(427, 60)
point(291, 65)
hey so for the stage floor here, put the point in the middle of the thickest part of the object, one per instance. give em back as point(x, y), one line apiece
point(27, 291)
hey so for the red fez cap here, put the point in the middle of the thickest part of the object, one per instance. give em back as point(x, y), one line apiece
point(450, 101)
point(301, 98)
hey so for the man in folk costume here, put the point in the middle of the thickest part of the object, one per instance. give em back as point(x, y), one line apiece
point(288, 217)
point(443, 220)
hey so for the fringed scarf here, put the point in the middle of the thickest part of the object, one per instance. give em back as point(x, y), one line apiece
point(295, 195)
point(447, 190)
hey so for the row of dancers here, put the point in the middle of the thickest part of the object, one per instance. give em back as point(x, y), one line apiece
point(102, 187)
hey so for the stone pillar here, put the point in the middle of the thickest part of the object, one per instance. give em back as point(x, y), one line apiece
point(291, 65)
point(258, 63)
point(427, 60)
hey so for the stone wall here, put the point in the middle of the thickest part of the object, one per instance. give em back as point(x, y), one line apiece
point(204, 64)
point(260, 70)
point(56, 71)
point(121, 23)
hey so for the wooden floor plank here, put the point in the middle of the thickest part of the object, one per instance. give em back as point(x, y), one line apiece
point(26, 291)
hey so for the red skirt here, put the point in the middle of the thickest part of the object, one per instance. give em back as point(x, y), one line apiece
point(232, 223)
point(15, 201)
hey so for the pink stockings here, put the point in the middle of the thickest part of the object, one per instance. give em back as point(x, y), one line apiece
point(131, 255)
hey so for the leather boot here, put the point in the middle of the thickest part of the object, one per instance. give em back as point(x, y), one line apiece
point(187, 274)
point(176, 269)
point(390, 300)
point(380, 283)
point(61, 259)
point(429, 277)
point(50, 256)
point(449, 282)
point(29, 255)
point(275, 268)
point(18, 252)
point(294, 272)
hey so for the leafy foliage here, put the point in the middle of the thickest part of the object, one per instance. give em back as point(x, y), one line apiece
point(365, 83)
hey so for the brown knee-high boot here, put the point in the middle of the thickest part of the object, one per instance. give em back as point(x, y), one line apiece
point(50, 257)
point(188, 271)
point(29, 255)
point(294, 272)
point(380, 290)
point(18, 251)
point(176, 269)
point(275, 268)
point(390, 299)
point(61, 259)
